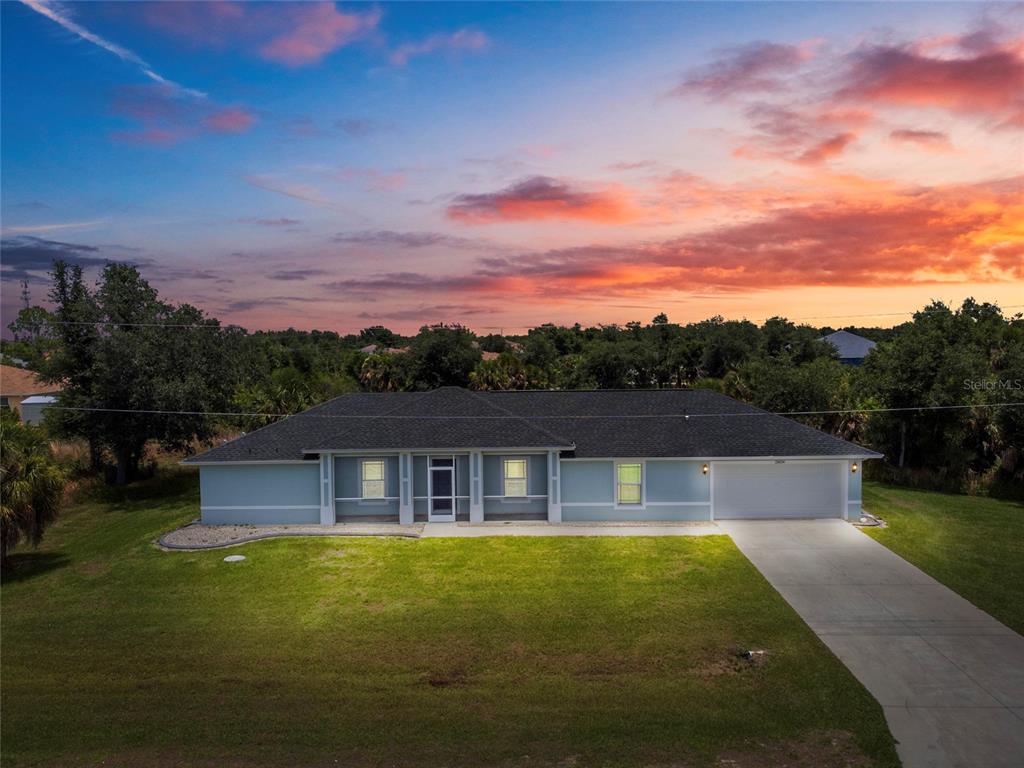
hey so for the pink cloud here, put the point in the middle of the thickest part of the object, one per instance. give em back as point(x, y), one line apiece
point(932, 141)
point(540, 198)
point(294, 34)
point(229, 120)
point(163, 118)
point(985, 79)
point(461, 40)
point(754, 68)
point(805, 136)
point(317, 30)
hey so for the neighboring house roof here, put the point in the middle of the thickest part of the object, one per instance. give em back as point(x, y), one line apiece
point(593, 423)
point(18, 381)
point(485, 355)
point(850, 346)
point(372, 349)
point(39, 400)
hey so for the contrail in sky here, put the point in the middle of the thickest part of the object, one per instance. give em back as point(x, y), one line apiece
point(56, 13)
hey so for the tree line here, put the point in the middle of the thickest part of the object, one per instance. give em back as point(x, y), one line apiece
point(154, 371)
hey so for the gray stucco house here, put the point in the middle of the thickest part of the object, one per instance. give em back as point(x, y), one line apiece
point(607, 455)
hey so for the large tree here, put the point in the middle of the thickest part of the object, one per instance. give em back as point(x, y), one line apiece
point(440, 356)
point(135, 368)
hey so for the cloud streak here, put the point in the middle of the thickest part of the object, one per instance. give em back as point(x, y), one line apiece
point(539, 198)
point(461, 40)
point(58, 14)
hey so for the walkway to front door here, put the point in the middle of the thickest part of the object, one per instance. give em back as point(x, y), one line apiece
point(949, 677)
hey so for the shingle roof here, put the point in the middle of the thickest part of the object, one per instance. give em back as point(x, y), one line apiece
point(19, 381)
point(850, 346)
point(593, 423)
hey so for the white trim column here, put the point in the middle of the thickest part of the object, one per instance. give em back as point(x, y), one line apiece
point(327, 515)
point(405, 489)
point(554, 488)
point(476, 487)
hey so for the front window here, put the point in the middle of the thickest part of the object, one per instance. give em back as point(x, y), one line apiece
point(629, 483)
point(515, 477)
point(373, 478)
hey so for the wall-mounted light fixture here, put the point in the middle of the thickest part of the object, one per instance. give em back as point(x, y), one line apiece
point(704, 469)
point(853, 468)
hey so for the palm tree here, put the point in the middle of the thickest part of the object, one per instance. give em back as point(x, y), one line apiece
point(31, 485)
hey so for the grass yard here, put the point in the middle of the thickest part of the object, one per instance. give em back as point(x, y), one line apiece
point(973, 545)
point(396, 652)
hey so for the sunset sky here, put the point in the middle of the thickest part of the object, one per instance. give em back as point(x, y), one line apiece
point(335, 166)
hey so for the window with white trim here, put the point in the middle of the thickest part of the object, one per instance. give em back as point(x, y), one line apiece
point(372, 478)
point(515, 477)
point(629, 483)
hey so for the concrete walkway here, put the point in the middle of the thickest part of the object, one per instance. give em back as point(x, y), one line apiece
point(542, 528)
point(950, 678)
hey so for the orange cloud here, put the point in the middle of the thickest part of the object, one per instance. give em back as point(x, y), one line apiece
point(543, 198)
point(904, 236)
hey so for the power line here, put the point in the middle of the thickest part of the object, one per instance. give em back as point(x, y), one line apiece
point(683, 415)
point(500, 328)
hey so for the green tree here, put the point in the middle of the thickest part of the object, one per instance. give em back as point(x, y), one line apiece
point(32, 481)
point(34, 335)
point(440, 356)
point(379, 373)
point(134, 368)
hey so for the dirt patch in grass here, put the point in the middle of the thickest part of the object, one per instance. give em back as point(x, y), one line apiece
point(92, 568)
point(817, 749)
point(450, 678)
point(729, 661)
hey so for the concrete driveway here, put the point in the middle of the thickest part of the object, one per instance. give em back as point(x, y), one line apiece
point(949, 677)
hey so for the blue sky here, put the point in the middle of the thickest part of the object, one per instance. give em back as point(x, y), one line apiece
point(510, 164)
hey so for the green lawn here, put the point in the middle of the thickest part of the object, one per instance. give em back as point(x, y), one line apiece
point(387, 652)
point(973, 545)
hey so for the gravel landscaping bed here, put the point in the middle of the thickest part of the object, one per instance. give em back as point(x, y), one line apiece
point(199, 536)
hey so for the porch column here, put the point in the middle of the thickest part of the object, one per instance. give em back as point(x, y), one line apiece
point(554, 489)
point(405, 490)
point(476, 487)
point(327, 489)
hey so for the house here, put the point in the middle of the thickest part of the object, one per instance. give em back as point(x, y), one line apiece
point(850, 348)
point(606, 455)
point(17, 383)
point(374, 349)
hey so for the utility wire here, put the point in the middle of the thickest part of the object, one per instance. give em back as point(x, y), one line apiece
point(535, 418)
point(217, 326)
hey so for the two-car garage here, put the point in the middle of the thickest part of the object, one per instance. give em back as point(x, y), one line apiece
point(774, 489)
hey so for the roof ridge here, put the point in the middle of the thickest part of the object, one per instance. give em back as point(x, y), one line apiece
point(524, 419)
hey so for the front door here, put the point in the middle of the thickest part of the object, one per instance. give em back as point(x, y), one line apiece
point(442, 489)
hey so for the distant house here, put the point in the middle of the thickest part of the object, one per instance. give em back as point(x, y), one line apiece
point(375, 349)
point(851, 348)
point(17, 384)
point(575, 456)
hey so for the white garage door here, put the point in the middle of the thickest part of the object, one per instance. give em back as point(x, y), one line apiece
point(766, 489)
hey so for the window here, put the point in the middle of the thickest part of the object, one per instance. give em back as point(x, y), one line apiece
point(629, 483)
point(373, 478)
point(515, 477)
